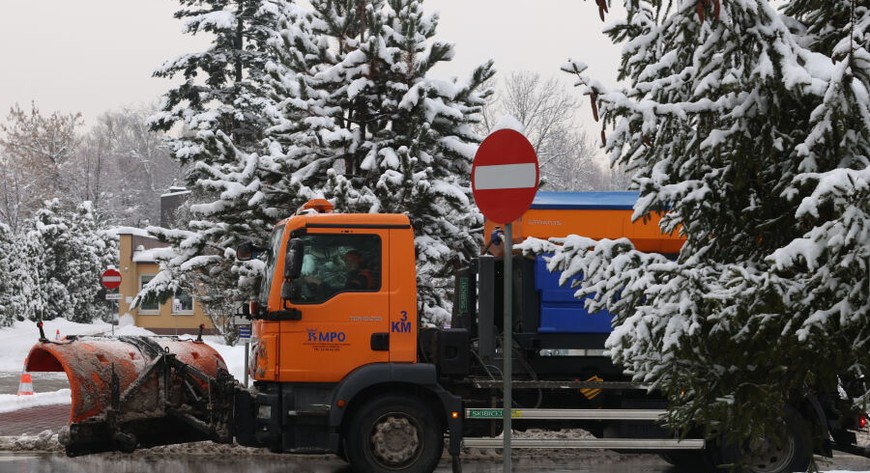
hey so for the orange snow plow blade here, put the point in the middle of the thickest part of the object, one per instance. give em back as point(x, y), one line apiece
point(132, 392)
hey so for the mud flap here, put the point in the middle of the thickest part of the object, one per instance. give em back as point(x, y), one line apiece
point(244, 424)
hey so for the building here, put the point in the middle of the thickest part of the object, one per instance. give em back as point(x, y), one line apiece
point(180, 314)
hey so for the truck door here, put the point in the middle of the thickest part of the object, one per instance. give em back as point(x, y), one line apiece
point(342, 296)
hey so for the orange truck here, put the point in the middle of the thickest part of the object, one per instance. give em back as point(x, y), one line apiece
point(341, 363)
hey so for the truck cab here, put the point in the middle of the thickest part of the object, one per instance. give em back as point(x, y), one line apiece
point(339, 292)
point(334, 347)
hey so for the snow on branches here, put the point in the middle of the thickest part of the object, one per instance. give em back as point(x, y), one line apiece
point(332, 100)
point(751, 134)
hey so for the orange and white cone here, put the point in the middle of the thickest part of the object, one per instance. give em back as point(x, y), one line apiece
point(25, 387)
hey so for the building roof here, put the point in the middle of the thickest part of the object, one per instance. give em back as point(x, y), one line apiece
point(132, 231)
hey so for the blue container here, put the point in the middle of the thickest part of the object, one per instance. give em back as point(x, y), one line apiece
point(561, 312)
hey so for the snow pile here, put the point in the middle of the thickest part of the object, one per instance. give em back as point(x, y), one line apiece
point(132, 330)
point(509, 122)
point(233, 356)
point(45, 441)
point(14, 402)
point(15, 341)
point(126, 319)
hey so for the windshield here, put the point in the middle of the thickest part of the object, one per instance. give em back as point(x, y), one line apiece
point(271, 259)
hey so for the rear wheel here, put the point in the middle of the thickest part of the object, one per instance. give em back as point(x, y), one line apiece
point(394, 434)
point(793, 452)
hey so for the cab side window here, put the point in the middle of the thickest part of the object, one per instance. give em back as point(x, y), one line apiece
point(334, 264)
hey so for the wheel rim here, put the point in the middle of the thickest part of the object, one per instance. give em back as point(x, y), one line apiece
point(766, 456)
point(396, 440)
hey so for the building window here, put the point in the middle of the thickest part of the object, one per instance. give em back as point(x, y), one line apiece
point(182, 304)
point(150, 305)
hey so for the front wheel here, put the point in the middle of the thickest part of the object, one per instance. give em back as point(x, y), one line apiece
point(394, 434)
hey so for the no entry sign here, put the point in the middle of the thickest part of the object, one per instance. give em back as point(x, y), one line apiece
point(504, 179)
point(504, 176)
point(111, 279)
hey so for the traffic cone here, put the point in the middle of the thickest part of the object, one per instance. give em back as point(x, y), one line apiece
point(25, 387)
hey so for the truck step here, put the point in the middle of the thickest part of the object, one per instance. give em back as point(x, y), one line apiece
point(858, 450)
point(608, 444)
point(562, 414)
point(563, 384)
point(309, 413)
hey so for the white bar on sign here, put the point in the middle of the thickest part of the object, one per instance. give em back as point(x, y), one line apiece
point(505, 176)
point(112, 278)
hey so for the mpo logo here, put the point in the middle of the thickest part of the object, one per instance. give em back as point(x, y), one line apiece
point(315, 335)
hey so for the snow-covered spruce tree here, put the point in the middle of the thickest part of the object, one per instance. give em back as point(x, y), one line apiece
point(220, 91)
point(364, 125)
point(202, 260)
point(220, 107)
point(24, 278)
point(750, 130)
point(7, 314)
point(70, 252)
point(411, 153)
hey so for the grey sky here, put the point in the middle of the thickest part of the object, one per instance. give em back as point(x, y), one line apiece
point(91, 56)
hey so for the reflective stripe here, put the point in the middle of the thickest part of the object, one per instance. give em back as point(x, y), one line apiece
point(505, 176)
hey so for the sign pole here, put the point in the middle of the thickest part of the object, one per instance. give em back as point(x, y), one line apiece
point(247, 349)
point(111, 280)
point(243, 324)
point(507, 343)
point(504, 180)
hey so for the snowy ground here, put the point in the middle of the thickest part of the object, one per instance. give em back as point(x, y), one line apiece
point(16, 341)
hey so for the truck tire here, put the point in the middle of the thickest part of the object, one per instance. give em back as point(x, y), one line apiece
point(768, 456)
point(394, 434)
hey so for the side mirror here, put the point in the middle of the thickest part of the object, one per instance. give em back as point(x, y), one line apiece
point(293, 258)
point(291, 290)
point(247, 251)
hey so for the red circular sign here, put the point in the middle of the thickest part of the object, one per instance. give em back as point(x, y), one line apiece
point(504, 176)
point(111, 279)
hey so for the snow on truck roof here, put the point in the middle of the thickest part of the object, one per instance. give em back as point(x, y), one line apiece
point(616, 200)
